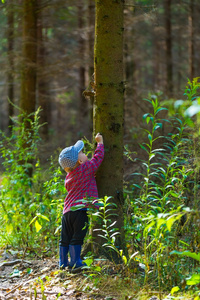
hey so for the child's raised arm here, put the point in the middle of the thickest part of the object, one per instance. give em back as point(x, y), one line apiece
point(99, 138)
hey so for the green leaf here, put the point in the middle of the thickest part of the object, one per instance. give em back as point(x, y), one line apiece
point(159, 109)
point(151, 156)
point(160, 222)
point(187, 253)
point(143, 148)
point(77, 207)
point(194, 279)
point(148, 119)
point(171, 221)
point(148, 228)
point(33, 220)
point(124, 259)
point(136, 185)
point(133, 255)
point(174, 290)
point(145, 116)
point(43, 217)
point(37, 226)
point(150, 137)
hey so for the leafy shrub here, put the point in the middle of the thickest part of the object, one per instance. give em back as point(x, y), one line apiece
point(160, 201)
point(30, 207)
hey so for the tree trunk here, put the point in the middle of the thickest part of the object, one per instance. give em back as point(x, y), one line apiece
point(29, 55)
point(191, 40)
point(109, 101)
point(28, 74)
point(83, 102)
point(91, 24)
point(168, 48)
point(43, 99)
point(10, 21)
point(131, 105)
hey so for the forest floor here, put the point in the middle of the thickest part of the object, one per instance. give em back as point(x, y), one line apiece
point(40, 279)
point(28, 279)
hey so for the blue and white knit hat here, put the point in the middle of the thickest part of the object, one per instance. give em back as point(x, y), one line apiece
point(69, 156)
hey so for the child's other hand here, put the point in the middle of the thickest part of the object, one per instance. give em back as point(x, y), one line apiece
point(99, 138)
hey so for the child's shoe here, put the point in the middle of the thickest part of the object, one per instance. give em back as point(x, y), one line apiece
point(76, 263)
point(63, 260)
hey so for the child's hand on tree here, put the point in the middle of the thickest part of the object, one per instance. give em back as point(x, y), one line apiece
point(99, 138)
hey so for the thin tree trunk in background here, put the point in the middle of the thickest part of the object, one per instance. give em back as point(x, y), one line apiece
point(29, 56)
point(91, 23)
point(10, 21)
point(131, 105)
point(156, 58)
point(83, 102)
point(109, 101)
point(28, 73)
point(191, 39)
point(43, 99)
point(197, 41)
point(169, 68)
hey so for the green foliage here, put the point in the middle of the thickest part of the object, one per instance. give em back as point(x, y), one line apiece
point(194, 279)
point(160, 199)
point(188, 254)
point(161, 216)
point(162, 203)
point(106, 213)
point(30, 206)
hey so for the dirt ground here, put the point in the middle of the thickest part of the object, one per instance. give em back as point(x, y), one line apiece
point(41, 279)
point(31, 279)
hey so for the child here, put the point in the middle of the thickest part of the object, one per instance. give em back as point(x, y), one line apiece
point(81, 184)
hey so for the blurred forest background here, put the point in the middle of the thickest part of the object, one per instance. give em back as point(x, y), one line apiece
point(161, 50)
point(47, 61)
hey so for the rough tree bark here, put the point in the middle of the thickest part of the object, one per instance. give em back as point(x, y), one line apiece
point(109, 100)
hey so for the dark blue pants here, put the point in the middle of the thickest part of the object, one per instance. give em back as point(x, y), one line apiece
point(74, 228)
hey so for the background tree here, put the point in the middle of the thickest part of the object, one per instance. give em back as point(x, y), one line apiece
point(29, 57)
point(191, 40)
point(169, 64)
point(144, 64)
point(109, 99)
point(42, 87)
point(10, 53)
point(83, 112)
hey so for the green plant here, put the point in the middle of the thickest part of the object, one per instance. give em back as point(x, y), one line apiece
point(30, 206)
point(161, 192)
point(193, 279)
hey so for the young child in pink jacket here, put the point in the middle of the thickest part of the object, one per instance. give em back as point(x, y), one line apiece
point(80, 184)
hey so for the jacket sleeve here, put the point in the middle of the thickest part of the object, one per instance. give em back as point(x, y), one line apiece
point(97, 158)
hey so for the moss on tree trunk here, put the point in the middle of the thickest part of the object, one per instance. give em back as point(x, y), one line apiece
point(109, 99)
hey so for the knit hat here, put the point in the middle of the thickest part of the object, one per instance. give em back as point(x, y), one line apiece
point(69, 156)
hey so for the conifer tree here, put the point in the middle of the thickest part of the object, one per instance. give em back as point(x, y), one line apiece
point(29, 56)
point(109, 99)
